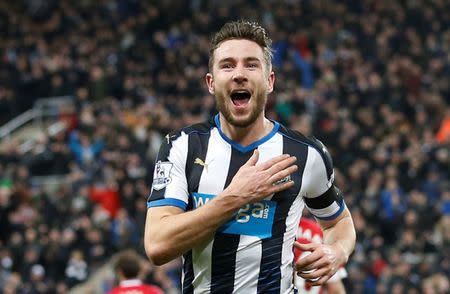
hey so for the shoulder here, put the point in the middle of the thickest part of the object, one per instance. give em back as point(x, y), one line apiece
point(172, 138)
point(203, 128)
point(200, 128)
point(312, 142)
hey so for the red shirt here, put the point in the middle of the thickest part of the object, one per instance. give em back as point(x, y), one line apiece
point(135, 287)
point(310, 232)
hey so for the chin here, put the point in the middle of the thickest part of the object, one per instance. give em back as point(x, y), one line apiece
point(242, 121)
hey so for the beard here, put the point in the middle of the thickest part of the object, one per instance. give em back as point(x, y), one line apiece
point(256, 110)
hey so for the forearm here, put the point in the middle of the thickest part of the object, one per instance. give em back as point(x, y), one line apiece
point(341, 234)
point(336, 287)
point(169, 235)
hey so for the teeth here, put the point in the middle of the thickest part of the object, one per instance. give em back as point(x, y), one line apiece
point(241, 92)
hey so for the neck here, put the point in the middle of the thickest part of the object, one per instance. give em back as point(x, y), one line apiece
point(247, 135)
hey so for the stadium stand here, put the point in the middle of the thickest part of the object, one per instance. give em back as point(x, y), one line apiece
point(369, 78)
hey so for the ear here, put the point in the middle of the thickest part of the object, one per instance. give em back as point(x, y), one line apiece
point(270, 82)
point(210, 82)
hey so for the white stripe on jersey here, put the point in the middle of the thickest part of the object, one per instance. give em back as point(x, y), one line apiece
point(202, 268)
point(292, 222)
point(315, 180)
point(247, 271)
point(212, 181)
point(178, 153)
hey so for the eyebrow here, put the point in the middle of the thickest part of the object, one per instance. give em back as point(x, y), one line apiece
point(231, 59)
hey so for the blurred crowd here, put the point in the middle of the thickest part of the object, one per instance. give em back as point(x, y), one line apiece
point(371, 79)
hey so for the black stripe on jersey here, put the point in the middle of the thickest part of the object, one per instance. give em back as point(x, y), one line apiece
point(270, 273)
point(223, 263)
point(326, 199)
point(163, 155)
point(313, 142)
point(188, 270)
point(197, 149)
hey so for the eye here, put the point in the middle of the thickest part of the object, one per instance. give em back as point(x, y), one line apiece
point(252, 65)
point(227, 65)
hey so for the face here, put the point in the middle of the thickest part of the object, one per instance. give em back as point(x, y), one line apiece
point(240, 81)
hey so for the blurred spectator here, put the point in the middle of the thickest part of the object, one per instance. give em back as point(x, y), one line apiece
point(85, 152)
point(77, 268)
point(443, 135)
point(107, 195)
point(128, 270)
point(124, 233)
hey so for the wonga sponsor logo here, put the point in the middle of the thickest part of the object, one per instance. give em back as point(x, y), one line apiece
point(254, 219)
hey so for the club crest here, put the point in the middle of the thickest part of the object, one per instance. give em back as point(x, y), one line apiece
point(161, 176)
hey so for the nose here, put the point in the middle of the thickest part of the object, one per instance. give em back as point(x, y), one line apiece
point(239, 76)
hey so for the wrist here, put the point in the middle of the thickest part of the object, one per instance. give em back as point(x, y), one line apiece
point(342, 252)
point(231, 199)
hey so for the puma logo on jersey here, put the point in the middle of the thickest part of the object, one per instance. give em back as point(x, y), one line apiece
point(202, 163)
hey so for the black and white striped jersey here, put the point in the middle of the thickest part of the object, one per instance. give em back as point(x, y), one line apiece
point(252, 252)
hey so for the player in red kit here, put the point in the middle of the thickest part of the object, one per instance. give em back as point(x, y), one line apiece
point(128, 267)
point(310, 232)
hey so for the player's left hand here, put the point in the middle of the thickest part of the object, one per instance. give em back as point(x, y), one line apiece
point(321, 264)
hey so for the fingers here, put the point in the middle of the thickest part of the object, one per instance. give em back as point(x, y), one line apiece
point(282, 165)
point(306, 246)
point(253, 159)
point(313, 275)
point(268, 177)
point(320, 281)
point(278, 169)
point(304, 262)
point(281, 175)
point(317, 267)
point(280, 187)
point(322, 262)
point(273, 161)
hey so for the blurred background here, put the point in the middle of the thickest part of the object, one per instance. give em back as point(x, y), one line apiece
point(88, 90)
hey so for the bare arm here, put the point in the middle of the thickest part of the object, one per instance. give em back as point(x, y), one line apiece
point(340, 233)
point(336, 287)
point(169, 231)
point(326, 258)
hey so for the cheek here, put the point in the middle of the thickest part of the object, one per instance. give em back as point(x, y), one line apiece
point(218, 85)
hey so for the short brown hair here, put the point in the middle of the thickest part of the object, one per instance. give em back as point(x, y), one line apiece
point(242, 30)
point(129, 263)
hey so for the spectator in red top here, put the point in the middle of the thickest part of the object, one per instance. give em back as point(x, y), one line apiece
point(128, 268)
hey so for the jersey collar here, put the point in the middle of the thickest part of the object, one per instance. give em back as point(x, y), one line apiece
point(252, 146)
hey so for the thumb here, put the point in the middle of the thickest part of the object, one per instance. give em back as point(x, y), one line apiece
point(253, 159)
point(305, 246)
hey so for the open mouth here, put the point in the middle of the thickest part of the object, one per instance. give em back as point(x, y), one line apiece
point(240, 97)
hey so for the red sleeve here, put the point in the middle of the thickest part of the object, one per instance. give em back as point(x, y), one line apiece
point(141, 289)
